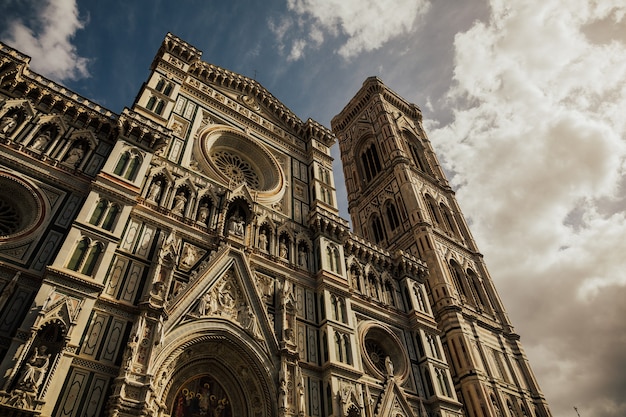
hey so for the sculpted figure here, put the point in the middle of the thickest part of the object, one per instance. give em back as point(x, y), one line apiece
point(263, 240)
point(155, 191)
point(179, 203)
point(203, 213)
point(302, 257)
point(282, 249)
point(75, 155)
point(41, 142)
point(8, 124)
point(35, 370)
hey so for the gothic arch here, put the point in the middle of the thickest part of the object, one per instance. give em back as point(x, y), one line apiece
point(223, 353)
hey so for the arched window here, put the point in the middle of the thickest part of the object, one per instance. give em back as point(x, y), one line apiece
point(477, 288)
point(392, 216)
point(128, 165)
point(433, 211)
point(370, 162)
point(151, 103)
point(377, 229)
point(78, 255)
point(85, 256)
point(104, 214)
point(109, 219)
point(448, 218)
point(458, 278)
point(159, 107)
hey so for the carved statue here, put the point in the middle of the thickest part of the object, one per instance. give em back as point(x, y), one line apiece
point(179, 203)
point(302, 257)
point(203, 213)
point(155, 191)
point(8, 124)
point(236, 226)
point(41, 142)
point(389, 366)
point(35, 370)
point(282, 249)
point(75, 155)
point(263, 240)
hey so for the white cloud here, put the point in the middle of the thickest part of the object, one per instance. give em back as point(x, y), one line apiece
point(50, 47)
point(362, 25)
point(538, 150)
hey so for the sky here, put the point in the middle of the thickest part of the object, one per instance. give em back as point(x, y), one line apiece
point(523, 101)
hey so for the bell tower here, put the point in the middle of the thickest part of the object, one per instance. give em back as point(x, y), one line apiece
point(400, 199)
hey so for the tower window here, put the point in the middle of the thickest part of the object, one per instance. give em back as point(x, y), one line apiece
point(377, 229)
point(371, 163)
point(392, 216)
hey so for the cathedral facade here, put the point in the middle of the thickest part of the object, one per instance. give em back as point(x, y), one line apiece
point(187, 258)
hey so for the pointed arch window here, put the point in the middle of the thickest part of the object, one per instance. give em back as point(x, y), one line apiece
point(392, 216)
point(85, 256)
point(377, 229)
point(458, 277)
point(104, 214)
point(370, 162)
point(433, 210)
point(128, 165)
point(448, 219)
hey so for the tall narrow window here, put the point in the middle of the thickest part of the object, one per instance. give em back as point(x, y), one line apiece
point(151, 103)
point(128, 165)
point(377, 229)
point(370, 162)
point(392, 216)
point(78, 255)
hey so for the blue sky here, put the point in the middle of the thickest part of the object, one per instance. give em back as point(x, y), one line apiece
point(524, 103)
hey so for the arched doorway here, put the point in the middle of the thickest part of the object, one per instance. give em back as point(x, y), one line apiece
point(216, 373)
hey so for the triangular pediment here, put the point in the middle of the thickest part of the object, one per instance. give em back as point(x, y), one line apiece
point(393, 402)
point(223, 288)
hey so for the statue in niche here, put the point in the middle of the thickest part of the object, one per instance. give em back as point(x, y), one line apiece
point(8, 124)
point(34, 370)
point(155, 191)
point(179, 203)
point(302, 257)
point(236, 225)
point(41, 142)
point(282, 249)
point(75, 155)
point(263, 240)
point(203, 213)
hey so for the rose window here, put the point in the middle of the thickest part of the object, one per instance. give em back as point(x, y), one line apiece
point(231, 157)
point(376, 354)
point(9, 218)
point(378, 360)
point(236, 168)
point(21, 208)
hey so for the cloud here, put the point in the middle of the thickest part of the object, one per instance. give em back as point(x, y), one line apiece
point(362, 25)
point(50, 46)
point(537, 150)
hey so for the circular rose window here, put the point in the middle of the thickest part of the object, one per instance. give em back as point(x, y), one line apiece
point(235, 159)
point(21, 208)
point(383, 352)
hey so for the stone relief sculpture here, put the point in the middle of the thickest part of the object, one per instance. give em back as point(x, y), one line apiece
point(236, 225)
point(75, 155)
